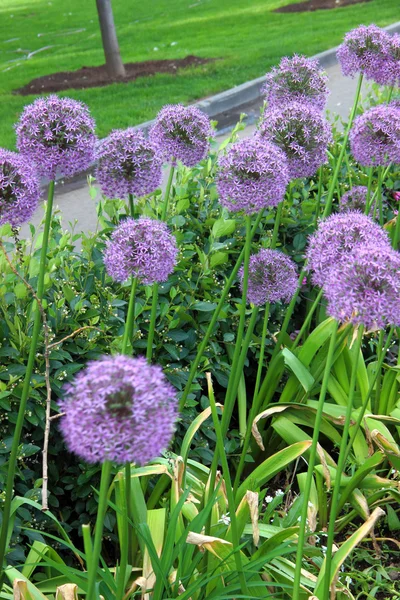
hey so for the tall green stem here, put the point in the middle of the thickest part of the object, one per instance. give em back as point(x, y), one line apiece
point(311, 465)
point(368, 202)
point(210, 328)
point(308, 318)
point(332, 187)
point(130, 319)
point(154, 303)
point(254, 405)
point(228, 486)
point(92, 594)
point(319, 194)
point(379, 200)
point(131, 206)
point(288, 315)
point(9, 489)
point(341, 464)
point(356, 427)
point(234, 377)
point(396, 238)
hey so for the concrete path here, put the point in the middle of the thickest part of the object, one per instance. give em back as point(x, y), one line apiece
point(75, 203)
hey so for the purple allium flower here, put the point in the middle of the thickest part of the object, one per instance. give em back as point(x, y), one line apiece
point(19, 188)
point(375, 136)
point(272, 277)
point(128, 164)
point(297, 79)
point(57, 135)
point(336, 237)
point(365, 50)
point(392, 63)
point(182, 133)
point(302, 133)
point(144, 248)
point(365, 287)
point(252, 175)
point(119, 408)
point(354, 199)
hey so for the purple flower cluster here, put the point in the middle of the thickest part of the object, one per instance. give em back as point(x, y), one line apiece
point(19, 188)
point(57, 135)
point(366, 50)
point(354, 199)
point(338, 236)
point(119, 408)
point(144, 248)
point(127, 163)
point(365, 287)
point(393, 61)
point(251, 176)
point(272, 277)
point(181, 133)
point(302, 133)
point(297, 79)
point(375, 136)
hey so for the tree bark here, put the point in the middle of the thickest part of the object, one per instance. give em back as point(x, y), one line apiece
point(114, 65)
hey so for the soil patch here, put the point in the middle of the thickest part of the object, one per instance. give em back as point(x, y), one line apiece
point(87, 77)
point(311, 5)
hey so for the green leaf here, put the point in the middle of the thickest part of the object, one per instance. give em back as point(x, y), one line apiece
point(218, 258)
point(302, 374)
point(223, 227)
point(204, 306)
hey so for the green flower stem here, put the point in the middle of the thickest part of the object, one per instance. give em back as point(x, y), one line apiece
point(288, 315)
point(332, 187)
point(210, 328)
point(379, 201)
point(130, 319)
point(308, 318)
point(379, 371)
point(369, 200)
point(396, 237)
point(356, 427)
point(9, 488)
point(228, 484)
point(131, 206)
point(92, 594)
point(125, 534)
point(154, 303)
point(311, 465)
point(235, 373)
point(255, 404)
point(319, 195)
point(341, 464)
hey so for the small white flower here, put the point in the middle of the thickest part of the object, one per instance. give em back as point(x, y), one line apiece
point(348, 580)
point(279, 493)
point(324, 549)
point(174, 43)
point(310, 504)
point(268, 499)
point(155, 49)
point(225, 519)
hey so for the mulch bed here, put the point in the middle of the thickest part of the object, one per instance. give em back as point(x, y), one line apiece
point(88, 77)
point(311, 5)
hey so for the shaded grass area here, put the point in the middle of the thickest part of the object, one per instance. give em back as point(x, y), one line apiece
point(39, 37)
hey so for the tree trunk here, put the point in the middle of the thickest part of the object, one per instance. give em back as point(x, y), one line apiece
point(114, 64)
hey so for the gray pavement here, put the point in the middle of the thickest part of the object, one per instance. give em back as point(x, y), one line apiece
point(73, 198)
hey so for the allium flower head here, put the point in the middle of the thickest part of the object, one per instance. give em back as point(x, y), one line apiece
point(365, 50)
point(182, 133)
point(302, 133)
point(19, 188)
point(375, 136)
point(354, 199)
point(365, 287)
point(272, 277)
point(297, 79)
point(252, 175)
point(119, 408)
point(127, 163)
point(144, 248)
point(336, 237)
point(57, 135)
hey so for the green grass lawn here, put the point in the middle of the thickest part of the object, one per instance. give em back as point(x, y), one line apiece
point(244, 35)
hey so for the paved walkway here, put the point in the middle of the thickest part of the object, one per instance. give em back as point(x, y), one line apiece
point(75, 203)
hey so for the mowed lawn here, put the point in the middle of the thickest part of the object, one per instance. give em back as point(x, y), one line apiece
point(39, 37)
